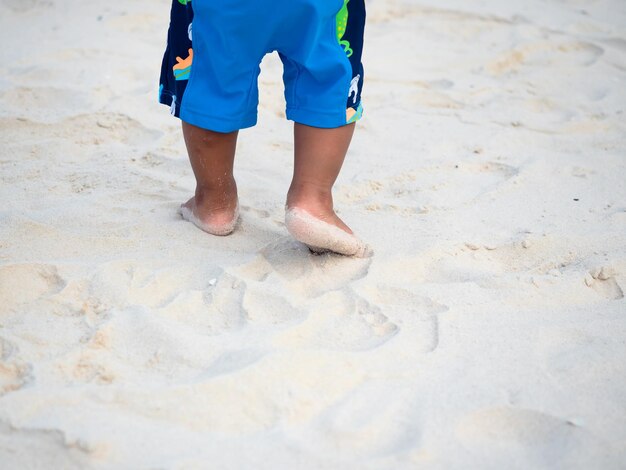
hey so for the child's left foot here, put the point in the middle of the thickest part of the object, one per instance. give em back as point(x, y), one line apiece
point(219, 222)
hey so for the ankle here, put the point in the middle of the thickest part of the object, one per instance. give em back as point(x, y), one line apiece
point(222, 194)
point(310, 195)
point(219, 185)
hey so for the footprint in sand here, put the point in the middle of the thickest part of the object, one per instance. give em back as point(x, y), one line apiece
point(310, 295)
point(416, 316)
point(201, 297)
point(152, 345)
point(265, 304)
point(25, 283)
point(340, 320)
point(212, 310)
point(291, 265)
point(602, 280)
point(123, 283)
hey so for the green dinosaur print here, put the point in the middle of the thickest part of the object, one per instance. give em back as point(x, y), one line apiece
point(342, 24)
point(184, 2)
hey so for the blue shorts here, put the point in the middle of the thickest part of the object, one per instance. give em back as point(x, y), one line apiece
point(211, 64)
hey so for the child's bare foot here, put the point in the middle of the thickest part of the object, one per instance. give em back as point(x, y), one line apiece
point(310, 219)
point(217, 216)
point(321, 235)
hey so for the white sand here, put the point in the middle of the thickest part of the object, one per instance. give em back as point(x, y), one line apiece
point(487, 332)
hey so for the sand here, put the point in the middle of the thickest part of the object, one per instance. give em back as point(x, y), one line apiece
point(486, 332)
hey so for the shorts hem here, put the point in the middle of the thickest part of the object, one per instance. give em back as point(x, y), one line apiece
point(322, 119)
point(217, 124)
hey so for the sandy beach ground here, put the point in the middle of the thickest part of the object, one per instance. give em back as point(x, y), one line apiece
point(487, 332)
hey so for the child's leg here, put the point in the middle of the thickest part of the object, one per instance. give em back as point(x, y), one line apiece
point(310, 217)
point(319, 155)
point(214, 206)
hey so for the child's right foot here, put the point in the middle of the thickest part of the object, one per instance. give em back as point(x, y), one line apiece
point(216, 221)
point(321, 236)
